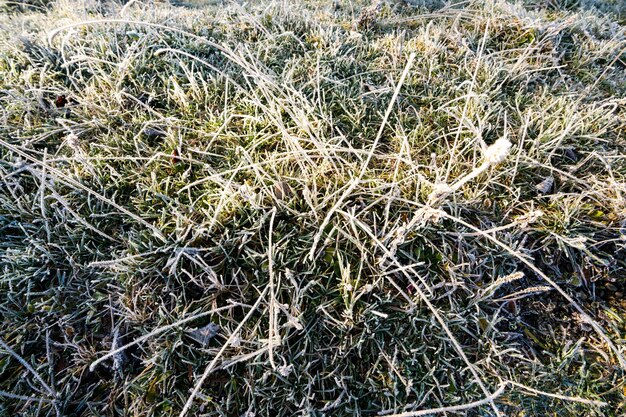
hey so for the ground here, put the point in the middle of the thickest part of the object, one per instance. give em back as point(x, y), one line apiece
point(312, 208)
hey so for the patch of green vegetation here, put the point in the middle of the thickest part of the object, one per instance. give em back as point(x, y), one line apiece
point(384, 207)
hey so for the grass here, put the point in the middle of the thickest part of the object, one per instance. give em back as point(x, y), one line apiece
point(312, 208)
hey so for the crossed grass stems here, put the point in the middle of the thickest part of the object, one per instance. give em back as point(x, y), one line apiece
point(385, 241)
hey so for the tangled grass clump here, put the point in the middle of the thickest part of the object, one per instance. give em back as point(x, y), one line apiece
point(312, 208)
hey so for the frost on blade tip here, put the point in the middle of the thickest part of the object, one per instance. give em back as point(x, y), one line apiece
point(498, 152)
point(119, 359)
point(545, 186)
point(203, 335)
point(285, 370)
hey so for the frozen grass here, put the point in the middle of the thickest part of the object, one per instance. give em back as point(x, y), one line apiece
point(385, 209)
